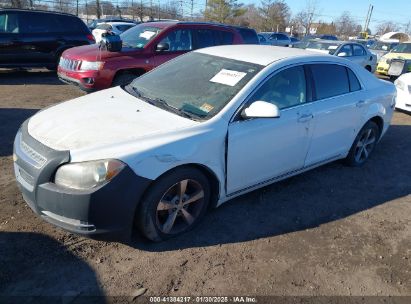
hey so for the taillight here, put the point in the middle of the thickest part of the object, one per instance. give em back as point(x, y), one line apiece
point(90, 38)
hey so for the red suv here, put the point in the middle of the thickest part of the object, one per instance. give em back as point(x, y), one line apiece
point(144, 47)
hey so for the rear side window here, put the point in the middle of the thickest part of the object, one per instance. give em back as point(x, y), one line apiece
point(330, 80)
point(38, 23)
point(354, 83)
point(223, 37)
point(204, 38)
point(104, 26)
point(358, 50)
point(249, 36)
point(70, 24)
point(9, 23)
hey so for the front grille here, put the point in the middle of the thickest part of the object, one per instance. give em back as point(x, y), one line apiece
point(70, 64)
point(38, 159)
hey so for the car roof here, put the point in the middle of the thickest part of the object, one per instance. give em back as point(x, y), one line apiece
point(35, 11)
point(118, 23)
point(258, 54)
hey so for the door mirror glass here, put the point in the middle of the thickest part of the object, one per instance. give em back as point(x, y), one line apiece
point(162, 46)
point(342, 54)
point(261, 109)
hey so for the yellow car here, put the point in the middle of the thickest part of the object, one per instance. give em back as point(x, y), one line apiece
point(401, 51)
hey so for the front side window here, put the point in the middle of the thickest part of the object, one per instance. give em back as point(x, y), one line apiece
point(346, 49)
point(9, 23)
point(179, 40)
point(138, 36)
point(285, 89)
point(330, 80)
point(194, 85)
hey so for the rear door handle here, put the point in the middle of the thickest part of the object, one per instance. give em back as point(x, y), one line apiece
point(360, 103)
point(305, 117)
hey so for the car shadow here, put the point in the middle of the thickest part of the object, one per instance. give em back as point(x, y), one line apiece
point(35, 268)
point(25, 77)
point(306, 201)
point(10, 121)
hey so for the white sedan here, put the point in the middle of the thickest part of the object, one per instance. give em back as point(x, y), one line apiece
point(196, 132)
point(113, 27)
point(403, 84)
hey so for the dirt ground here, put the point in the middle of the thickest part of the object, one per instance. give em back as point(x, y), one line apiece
point(334, 231)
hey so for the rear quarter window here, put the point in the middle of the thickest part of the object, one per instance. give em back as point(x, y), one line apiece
point(249, 36)
point(330, 80)
point(353, 80)
point(71, 24)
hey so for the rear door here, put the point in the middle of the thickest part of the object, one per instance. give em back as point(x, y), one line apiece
point(12, 51)
point(337, 111)
point(360, 55)
point(38, 32)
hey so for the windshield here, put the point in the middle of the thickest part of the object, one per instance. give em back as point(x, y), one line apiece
point(138, 36)
point(195, 85)
point(402, 48)
point(382, 46)
point(324, 46)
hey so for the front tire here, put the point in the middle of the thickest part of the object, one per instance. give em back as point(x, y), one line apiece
point(123, 78)
point(364, 144)
point(174, 204)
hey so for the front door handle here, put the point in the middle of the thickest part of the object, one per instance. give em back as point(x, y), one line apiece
point(305, 117)
point(360, 103)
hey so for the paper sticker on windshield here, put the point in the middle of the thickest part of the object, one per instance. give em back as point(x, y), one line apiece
point(206, 107)
point(333, 47)
point(228, 77)
point(147, 35)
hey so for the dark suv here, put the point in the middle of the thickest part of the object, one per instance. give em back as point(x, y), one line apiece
point(30, 38)
point(144, 47)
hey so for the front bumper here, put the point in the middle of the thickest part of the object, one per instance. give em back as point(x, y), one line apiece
point(403, 101)
point(88, 81)
point(105, 210)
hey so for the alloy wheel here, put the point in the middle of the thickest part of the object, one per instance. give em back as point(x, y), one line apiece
point(365, 145)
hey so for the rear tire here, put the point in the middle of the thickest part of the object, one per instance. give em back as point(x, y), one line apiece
point(174, 205)
point(364, 144)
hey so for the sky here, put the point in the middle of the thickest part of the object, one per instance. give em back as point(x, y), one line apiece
point(398, 11)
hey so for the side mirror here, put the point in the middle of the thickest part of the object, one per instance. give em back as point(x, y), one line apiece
point(385, 48)
point(342, 54)
point(111, 42)
point(162, 46)
point(261, 109)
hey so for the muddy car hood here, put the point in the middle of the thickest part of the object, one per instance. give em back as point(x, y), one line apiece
point(93, 52)
point(100, 119)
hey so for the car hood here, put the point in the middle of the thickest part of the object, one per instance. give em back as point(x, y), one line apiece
point(100, 119)
point(406, 78)
point(92, 52)
point(398, 55)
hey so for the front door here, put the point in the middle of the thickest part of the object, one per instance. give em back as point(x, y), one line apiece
point(179, 42)
point(262, 149)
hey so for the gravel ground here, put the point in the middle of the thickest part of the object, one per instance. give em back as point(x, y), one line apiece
point(333, 231)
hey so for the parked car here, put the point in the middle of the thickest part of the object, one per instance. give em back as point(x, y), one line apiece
point(277, 39)
point(111, 27)
point(380, 48)
point(31, 38)
point(194, 133)
point(93, 24)
point(401, 51)
point(294, 41)
point(327, 37)
point(249, 35)
point(403, 85)
point(145, 47)
point(349, 50)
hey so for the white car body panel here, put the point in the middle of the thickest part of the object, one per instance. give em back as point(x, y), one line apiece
point(151, 141)
point(403, 84)
point(97, 33)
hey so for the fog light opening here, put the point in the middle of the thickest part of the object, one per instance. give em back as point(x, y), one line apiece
point(88, 80)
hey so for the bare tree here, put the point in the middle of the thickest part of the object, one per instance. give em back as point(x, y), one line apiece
point(387, 27)
point(306, 17)
point(346, 25)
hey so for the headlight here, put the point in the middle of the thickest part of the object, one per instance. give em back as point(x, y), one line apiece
point(91, 65)
point(87, 175)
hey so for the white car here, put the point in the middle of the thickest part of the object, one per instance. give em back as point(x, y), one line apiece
point(403, 84)
point(113, 27)
point(196, 132)
point(355, 52)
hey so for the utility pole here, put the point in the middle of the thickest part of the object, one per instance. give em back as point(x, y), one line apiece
point(192, 9)
point(368, 19)
point(77, 8)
